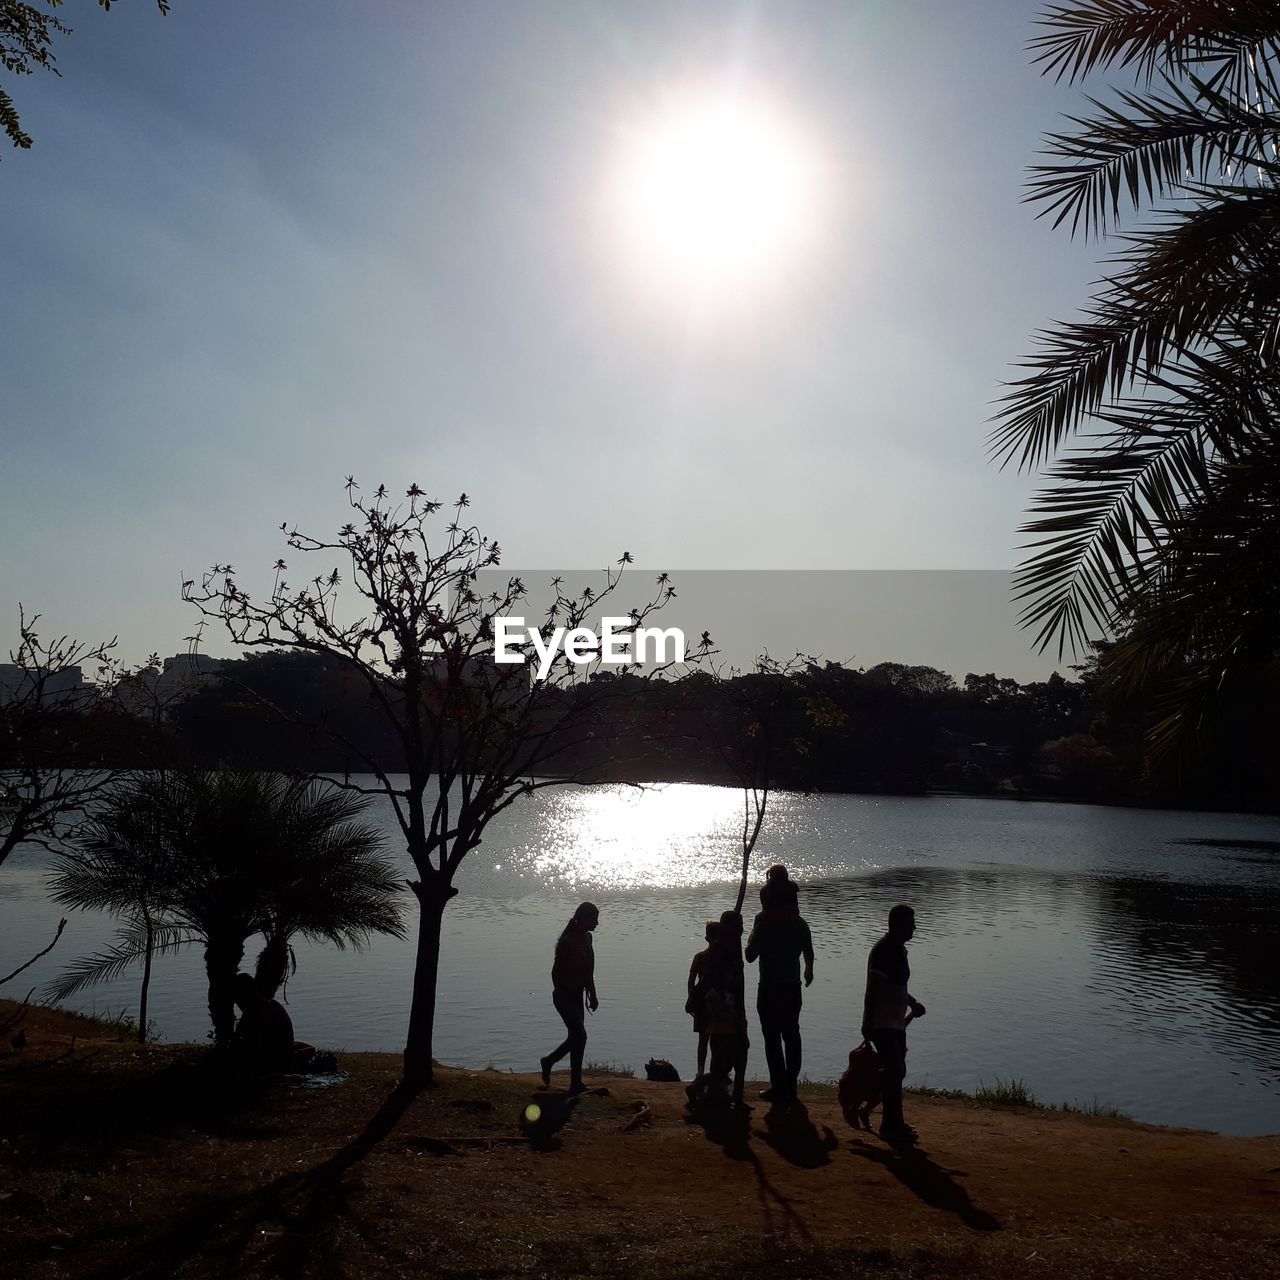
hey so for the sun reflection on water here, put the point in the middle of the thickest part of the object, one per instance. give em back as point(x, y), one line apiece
point(660, 835)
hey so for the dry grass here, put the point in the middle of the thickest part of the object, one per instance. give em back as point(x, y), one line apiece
point(125, 1161)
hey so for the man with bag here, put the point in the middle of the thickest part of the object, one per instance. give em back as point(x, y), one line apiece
point(887, 1008)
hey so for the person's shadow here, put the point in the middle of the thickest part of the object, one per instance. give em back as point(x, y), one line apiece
point(790, 1132)
point(731, 1129)
point(933, 1184)
point(727, 1127)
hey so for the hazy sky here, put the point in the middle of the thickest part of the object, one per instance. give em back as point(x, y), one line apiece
point(258, 247)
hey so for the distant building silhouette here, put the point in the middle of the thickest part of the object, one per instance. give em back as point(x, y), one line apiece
point(61, 685)
point(159, 688)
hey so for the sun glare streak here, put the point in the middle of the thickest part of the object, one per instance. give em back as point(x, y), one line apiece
point(624, 837)
point(615, 837)
point(720, 193)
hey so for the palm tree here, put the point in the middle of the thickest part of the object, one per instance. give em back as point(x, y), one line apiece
point(1153, 522)
point(217, 857)
point(321, 865)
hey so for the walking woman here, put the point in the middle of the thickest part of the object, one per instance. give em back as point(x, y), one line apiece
point(573, 986)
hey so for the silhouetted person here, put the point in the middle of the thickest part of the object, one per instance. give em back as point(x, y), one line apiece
point(720, 991)
point(777, 880)
point(263, 1038)
point(573, 985)
point(884, 1016)
point(694, 1003)
point(778, 939)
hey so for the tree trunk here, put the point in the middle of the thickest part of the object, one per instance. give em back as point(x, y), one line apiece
point(146, 977)
point(221, 962)
point(273, 964)
point(749, 839)
point(422, 1012)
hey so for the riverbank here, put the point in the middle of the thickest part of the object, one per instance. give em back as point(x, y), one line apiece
point(120, 1160)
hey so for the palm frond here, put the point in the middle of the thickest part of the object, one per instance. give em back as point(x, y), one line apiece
point(1181, 282)
point(1213, 607)
point(1235, 36)
point(1147, 147)
point(1162, 526)
point(1099, 533)
point(1093, 531)
point(129, 948)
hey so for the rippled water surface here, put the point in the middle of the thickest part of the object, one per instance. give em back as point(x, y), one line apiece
point(1122, 956)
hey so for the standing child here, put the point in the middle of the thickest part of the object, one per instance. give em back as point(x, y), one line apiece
point(695, 1003)
point(721, 990)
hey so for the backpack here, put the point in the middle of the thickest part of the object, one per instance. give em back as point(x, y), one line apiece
point(660, 1069)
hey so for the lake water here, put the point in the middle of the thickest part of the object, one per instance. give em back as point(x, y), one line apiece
point(1126, 957)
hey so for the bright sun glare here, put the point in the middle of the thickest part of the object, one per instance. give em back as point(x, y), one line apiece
point(721, 190)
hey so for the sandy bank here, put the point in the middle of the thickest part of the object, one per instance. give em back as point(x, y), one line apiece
point(119, 1160)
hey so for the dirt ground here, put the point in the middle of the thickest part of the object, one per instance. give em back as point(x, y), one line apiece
point(118, 1160)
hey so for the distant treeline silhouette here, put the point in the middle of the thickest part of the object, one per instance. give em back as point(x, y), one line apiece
point(891, 728)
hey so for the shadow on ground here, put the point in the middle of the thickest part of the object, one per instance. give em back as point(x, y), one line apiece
point(934, 1185)
point(731, 1129)
point(790, 1132)
point(284, 1227)
point(67, 1100)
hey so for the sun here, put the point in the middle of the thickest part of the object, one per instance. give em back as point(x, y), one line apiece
point(717, 190)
